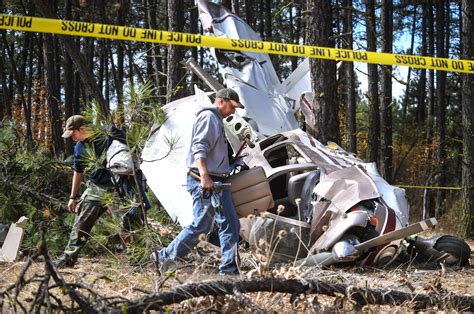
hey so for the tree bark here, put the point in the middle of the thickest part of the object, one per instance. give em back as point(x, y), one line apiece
point(296, 287)
point(68, 84)
point(250, 13)
point(323, 74)
point(4, 93)
point(421, 106)
point(268, 19)
point(373, 81)
point(259, 21)
point(194, 23)
point(151, 6)
point(18, 68)
point(175, 53)
point(227, 4)
point(88, 79)
point(441, 107)
point(386, 121)
point(267, 23)
point(467, 221)
point(52, 98)
point(2, 74)
point(349, 79)
point(235, 7)
point(119, 81)
point(295, 17)
point(431, 87)
point(410, 51)
point(29, 95)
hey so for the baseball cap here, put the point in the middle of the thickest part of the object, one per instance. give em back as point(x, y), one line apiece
point(229, 93)
point(73, 123)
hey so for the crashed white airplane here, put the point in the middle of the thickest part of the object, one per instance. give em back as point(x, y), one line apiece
point(336, 207)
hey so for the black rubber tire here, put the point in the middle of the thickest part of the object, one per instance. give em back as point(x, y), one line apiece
point(306, 193)
point(457, 248)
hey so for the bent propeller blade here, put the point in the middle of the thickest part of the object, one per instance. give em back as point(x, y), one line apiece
point(397, 234)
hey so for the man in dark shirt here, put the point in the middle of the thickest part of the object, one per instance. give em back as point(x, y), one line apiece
point(90, 206)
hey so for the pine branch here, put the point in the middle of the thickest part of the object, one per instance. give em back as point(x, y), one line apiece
point(41, 197)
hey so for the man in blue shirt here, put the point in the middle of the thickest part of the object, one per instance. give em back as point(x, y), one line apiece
point(90, 206)
point(208, 160)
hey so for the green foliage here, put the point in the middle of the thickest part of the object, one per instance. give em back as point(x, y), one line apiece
point(145, 241)
point(34, 185)
point(362, 123)
point(31, 185)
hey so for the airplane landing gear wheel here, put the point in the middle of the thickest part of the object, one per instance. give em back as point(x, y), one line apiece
point(457, 250)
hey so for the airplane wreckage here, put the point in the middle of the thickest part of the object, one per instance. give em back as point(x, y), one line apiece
point(331, 206)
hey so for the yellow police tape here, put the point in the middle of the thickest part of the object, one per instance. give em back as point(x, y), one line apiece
point(430, 187)
point(73, 28)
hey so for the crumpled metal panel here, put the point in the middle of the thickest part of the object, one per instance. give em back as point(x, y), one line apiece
point(251, 74)
point(279, 239)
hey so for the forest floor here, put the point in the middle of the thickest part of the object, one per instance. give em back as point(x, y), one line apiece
point(116, 278)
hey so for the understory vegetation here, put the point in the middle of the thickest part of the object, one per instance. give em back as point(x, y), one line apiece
point(35, 184)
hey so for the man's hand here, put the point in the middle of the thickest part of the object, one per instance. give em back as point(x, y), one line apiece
point(206, 182)
point(76, 182)
point(71, 205)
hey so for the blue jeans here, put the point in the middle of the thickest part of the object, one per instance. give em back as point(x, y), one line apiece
point(204, 215)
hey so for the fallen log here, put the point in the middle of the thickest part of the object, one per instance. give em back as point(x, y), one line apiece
point(296, 287)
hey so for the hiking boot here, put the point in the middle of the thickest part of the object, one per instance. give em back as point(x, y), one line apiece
point(162, 266)
point(65, 261)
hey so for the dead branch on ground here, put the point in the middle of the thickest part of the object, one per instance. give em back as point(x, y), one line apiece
point(300, 286)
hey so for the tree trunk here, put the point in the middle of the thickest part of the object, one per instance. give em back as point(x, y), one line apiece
point(131, 69)
point(267, 23)
point(358, 296)
point(194, 23)
point(295, 17)
point(421, 107)
point(52, 98)
point(77, 92)
point(268, 19)
point(18, 67)
point(88, 79)
point(3, 99)
point(386, 121)
point(175, 53)
point(68, 84)
point(250, 13)
point(235, 7)
point(349, 79)
point(5, 93)
point(154, 54)
point(467, 220)
point(323, 73)
point(373, 90)
point(120, 64)
point(27, 100)
point(148, 6)
point(260, 18)
point(29, 95)
point(431, 90)
point(227, 4)
point(441, 107)
point(410, 52)
point(103, 63)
